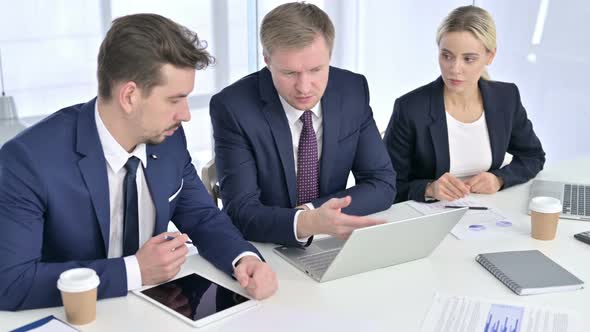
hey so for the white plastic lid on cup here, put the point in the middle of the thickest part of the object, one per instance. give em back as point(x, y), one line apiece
point(78, 280)
point(544, 204)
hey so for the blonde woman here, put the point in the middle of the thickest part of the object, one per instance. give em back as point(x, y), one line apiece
point(449, 138)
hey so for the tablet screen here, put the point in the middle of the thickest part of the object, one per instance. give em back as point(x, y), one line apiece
point(194, 297)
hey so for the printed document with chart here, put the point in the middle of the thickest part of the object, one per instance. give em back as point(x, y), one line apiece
point(460, 313)
point(477, 224)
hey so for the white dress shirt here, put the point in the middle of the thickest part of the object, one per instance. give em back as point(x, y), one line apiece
point(116, 157)
point(470, 152)
point(296, 126)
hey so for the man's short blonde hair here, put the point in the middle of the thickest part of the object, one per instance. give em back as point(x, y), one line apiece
point(295, 25)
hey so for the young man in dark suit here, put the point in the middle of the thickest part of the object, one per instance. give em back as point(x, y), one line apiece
point(94, 185)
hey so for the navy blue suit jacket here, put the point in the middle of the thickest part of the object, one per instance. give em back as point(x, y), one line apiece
point(55, 215)
point(417, 137)
point(254, 154)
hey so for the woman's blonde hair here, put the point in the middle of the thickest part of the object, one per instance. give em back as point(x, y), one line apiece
point(471, 19)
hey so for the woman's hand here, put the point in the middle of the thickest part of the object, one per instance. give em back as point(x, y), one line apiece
point(447, 188)
point(485, 183)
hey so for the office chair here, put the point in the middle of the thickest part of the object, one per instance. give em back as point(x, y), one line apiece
point(209, 178)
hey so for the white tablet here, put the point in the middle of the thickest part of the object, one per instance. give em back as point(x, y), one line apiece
point(196, 300)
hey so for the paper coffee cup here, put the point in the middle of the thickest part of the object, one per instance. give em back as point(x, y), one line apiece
point(78, 293)
point(545, 213)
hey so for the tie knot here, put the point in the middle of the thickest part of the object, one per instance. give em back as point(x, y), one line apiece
point(306, 118)
point(131, 165)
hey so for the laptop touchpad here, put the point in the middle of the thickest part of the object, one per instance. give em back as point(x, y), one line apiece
point(329, 243)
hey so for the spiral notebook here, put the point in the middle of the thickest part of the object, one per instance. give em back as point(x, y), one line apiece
point(529, 272)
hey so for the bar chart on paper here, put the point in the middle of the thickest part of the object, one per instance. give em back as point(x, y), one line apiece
point(504, 318)
point(450, 313)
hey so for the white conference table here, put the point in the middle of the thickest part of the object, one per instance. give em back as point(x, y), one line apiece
point(396, 298)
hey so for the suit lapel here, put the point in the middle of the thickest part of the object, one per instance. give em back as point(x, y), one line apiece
point(494, 121)
point(438, 128)
point(331, 109)
point(277, 120)
point(93, 168)
point(153, 173)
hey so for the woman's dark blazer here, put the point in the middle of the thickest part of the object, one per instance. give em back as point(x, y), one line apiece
point(417, 137)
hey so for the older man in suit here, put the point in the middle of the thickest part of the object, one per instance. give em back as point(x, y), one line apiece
point(94, 185)
point(288, 136)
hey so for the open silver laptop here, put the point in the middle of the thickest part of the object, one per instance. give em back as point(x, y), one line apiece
point(373, 247)
point(574, 197)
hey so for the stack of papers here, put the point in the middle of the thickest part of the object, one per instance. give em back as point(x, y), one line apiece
point(460, 313)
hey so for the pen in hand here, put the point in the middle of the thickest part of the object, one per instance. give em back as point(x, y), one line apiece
point(469, 207)
point(168, 238)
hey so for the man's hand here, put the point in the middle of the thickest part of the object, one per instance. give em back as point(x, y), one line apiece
point(447, 188)
point(160, 259)
point(328, 219)
point(256, 277)
point(485, 183)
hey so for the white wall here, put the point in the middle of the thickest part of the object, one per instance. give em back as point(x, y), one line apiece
point(49, 50)
point(553, 88)
point(394, 47)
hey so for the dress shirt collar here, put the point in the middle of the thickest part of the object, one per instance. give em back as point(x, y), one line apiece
point(114, 153)
point(294, 114)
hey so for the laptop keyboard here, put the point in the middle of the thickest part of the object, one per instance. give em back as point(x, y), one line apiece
point(576, 200)
point(318, 263)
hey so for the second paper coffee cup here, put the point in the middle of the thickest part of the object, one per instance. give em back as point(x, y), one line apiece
point(545, 213)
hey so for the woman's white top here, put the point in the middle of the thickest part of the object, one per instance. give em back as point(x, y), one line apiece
point(470, 152)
